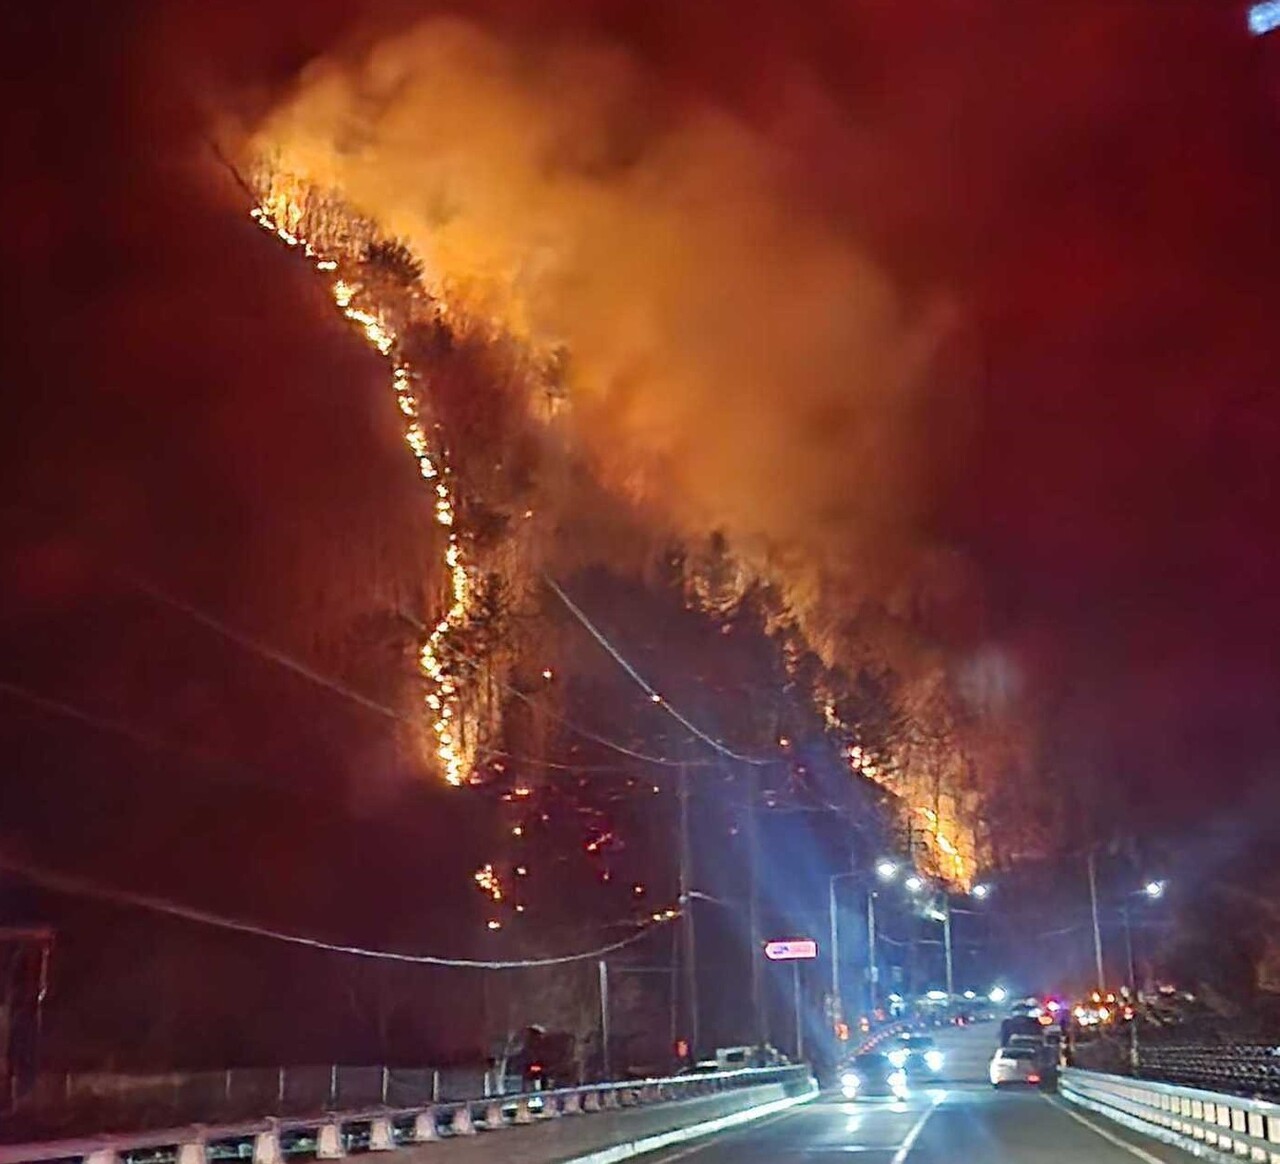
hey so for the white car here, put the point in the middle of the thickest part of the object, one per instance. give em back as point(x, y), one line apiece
point(1015, 1065)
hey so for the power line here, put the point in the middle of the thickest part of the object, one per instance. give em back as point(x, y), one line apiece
point(101, 723)
point(291, 664)
point(645, 685)
point(577, 729)
point(622, 749)
point(78, 887)
point(499, 754)
point(259, 648)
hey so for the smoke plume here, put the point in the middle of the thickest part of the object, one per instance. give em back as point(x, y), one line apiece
point(733, 362)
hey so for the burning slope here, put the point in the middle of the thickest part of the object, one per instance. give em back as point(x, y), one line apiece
point(375, 284)
point(732, 364)
point(719, 361)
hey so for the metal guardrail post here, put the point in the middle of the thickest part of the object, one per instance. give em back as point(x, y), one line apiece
point(382, 1135)
point(329, 1144)
point(462, 1124)
point(266, 1148)
point(263, 1139)
point(424, 1127)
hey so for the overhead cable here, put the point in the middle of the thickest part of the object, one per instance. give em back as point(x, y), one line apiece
point(644, 685)
point(79, 887)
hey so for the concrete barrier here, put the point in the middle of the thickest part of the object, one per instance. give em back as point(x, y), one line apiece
point(1210, 1124)
point(618, 1134)
point(616, 1121)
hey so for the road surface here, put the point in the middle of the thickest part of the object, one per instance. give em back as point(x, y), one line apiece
point(960, 1121)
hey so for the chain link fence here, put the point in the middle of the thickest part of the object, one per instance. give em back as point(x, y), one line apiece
point(1243, 1068)
point(60, 1104)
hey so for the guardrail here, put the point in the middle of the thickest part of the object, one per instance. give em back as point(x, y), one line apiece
point(332, 1135)
point(1253, 1068)
point(68, 1104)
point(1208, 1123)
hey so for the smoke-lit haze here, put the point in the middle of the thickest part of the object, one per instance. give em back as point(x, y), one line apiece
point(733, 361)
point(987, 288)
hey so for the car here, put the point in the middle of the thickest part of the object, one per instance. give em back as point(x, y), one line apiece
point(917, 1055)
point(872, 1074)
point(1015, 1065)
point(1032, 1042)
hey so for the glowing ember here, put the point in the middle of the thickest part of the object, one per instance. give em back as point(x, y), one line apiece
point(487, 879)
point(282, 218)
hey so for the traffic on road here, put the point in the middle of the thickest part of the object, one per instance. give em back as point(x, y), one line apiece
point(905, 1112)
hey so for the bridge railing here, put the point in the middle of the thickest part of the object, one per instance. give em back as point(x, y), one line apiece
point(1193, 1118)
point(331, 1135)
point(1252, 1068)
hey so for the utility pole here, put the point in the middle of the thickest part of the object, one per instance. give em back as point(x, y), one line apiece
point(1097, 931)
point(1128, 946)
point(946, 946)
point(759, 1026)
point(873, 965)
point(836, 1015)
point(686, 917)
point(795, 993)
point(603, 967)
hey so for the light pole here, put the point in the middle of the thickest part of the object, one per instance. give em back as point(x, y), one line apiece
point(1152, 891)
point(835, 941)
point(946, 947)
point(1097, 929)
point(886, 870)
point(943, 915)
point(603, 969)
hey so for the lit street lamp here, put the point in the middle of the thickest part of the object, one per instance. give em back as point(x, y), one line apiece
point(1152, 891)
point(914, 883)
point(886, 870)
point(980, 891)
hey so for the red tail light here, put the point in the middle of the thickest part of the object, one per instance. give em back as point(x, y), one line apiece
point(1033, 1078)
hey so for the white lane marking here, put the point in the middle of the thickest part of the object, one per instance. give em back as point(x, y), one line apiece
point(1110, 1137)
point(775, 1108)
point(905, 1147)
point(692, 1148)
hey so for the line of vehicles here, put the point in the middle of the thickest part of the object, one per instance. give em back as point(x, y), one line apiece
point(911, 1058)
point(1028, 1055)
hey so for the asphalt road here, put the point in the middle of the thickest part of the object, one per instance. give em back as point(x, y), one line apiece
point(961, 1120)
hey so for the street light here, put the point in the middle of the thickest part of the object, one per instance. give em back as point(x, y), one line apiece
point(835, 937)
point(998, 994)
point(1153, 891)
point(980, 891)
point(914, 883)
point(886, 869)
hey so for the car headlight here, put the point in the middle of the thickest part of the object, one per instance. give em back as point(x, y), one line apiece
point(933, 1060)
point(898, 1058)
point(849, 1084)
point(898, 1083)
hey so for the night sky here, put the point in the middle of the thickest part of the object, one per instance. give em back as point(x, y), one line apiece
point(1076, 201)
